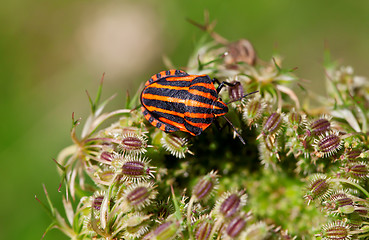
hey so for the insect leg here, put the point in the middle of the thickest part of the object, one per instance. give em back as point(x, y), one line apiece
point(222, 84)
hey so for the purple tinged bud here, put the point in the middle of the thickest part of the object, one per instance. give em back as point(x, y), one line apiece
point(140, 195)
point(203, 230)
point(294, 118)
point(329, 144)
point(341, 199)
point(96, 204)
point(133, 143)
point(175, 145)
point(205, 186)
point(272, 124)
point(107, 156)
point(235, 226)
point(320, 126)
point(253, 110)
point(319, 187)
point(336, 230)
point(230, 205)
point(353, 154)
point(358, 171)
point(133, 168)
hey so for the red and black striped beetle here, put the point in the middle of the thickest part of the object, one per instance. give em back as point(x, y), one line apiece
point(174, 100)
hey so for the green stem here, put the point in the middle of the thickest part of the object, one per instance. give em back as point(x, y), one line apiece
point(189, 208)
point(216, 226)
point(353, 184)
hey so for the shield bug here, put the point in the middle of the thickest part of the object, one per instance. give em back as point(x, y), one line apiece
point(174, 100)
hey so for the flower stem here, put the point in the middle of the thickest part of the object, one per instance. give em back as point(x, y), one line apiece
point(340, 180)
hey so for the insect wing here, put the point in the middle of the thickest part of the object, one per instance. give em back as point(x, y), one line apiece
point(163, 101)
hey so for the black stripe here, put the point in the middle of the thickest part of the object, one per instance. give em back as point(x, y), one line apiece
point(200, 120)
point(158, 75)
point(174, 83)
point(167, 73)
point(172, 106)
point(193, 129)
point(170, 128)
point(202, 79)
point(180, 73)
point(181, 94)
point(171, 117)
point(177, 107)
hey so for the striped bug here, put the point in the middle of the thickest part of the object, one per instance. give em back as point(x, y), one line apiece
point(174, 100)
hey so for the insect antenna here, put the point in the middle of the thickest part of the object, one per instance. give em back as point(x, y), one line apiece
point(241, 97)
point(238, 135)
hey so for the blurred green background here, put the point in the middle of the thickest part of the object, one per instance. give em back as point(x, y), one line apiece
point(52, 51)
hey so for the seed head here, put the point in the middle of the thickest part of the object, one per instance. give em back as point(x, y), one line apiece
point(203, 228)
point(107, 156)
point(272, 124)
point(140, 195)
point(177, 146)
point(319, 188)
point(320, 126)
point(358, 171)
point(327, 144)
point(351, 155)
point(336, 230)
point(106, 175)
point(97, 201)
point(235, 226)
point(135, 225)
point(205, 186)
point(259, 230)
point(295, 119)
point(133, 143)
point(341, 199)
point(231, 203)
point(136, 169)
point(253, 110)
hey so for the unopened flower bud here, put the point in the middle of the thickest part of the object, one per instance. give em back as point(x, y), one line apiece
point(203, 230)
point(253, 110)
point(336, 230)
point(272, 124)
point(358, 171)
point(235, 226)
point(166, 231)
point(319, 188)
point(328, 144)
point(133, 143)
point(140, 195)
point(205, 186)
point(136, 169)
point(320, 126)
point(231, 204)
point(177, 146)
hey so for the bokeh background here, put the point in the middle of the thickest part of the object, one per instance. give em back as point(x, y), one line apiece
point(52, 51)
